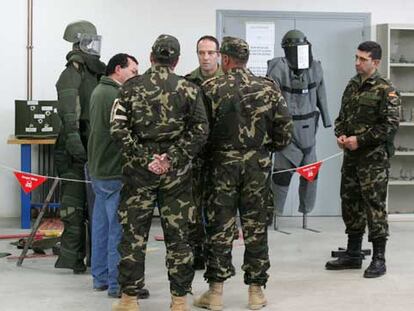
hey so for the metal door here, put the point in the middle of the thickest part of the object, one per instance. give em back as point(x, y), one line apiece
point(334, 38)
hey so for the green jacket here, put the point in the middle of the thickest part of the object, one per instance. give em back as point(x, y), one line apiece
point(197, 78)
point(104, 157)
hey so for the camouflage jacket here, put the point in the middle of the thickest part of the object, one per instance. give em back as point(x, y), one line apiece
point(246, 113)
point(159, 112)
point(369, 111)
point(196, 77)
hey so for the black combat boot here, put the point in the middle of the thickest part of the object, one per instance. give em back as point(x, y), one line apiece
point(377, 266)
point(79, 267)
point(143, 293)
point(199, 259)
point(352, 258)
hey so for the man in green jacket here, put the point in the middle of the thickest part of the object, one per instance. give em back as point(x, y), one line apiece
point(74, 88)
point(104, 160)
point(208, 56)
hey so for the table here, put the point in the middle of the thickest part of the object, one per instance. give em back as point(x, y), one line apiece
point(26, 166)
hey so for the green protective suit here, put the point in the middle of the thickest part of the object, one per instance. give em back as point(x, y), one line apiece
point(74, 89)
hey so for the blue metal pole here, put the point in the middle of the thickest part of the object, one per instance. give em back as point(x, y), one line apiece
point(26, 166)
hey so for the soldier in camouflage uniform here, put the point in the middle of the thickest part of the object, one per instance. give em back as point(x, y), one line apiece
point(365, 129)
point(208, 56)
point(74, 88)
point(161, 123)
point(249, 119)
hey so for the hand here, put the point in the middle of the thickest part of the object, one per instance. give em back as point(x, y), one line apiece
point(163, 160)
point(74, 146)
point(160, 165)
point(351, 143)
point(155, 167)
point(341, 141)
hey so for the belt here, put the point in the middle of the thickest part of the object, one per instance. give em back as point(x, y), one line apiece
point(304, 116)
point(299, 91)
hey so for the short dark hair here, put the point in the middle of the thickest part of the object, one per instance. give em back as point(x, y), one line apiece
point(165, 61)
point(238, 61)
point(211, 38)
point(120, 59)
point(371, 47)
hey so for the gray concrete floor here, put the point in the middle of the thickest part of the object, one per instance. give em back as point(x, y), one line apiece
point(298, 280)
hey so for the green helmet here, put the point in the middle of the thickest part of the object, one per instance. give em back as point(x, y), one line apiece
point(293, 38)
point(74, 30)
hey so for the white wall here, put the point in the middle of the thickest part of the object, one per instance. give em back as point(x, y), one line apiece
point(126, 26)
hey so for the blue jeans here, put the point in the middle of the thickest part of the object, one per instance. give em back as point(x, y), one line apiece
point(106, 233)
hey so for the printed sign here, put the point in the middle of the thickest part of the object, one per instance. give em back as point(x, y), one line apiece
point(309, 172)
point(28, 181)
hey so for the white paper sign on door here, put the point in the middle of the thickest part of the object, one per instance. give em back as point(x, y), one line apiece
point(261, 40)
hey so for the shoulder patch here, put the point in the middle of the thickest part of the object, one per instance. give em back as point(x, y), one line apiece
point(118, 112)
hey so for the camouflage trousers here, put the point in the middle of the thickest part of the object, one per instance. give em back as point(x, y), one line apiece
point(139, 196)
point(364, 191)
point(196, 228)
point(238, 182)
point(72, 212)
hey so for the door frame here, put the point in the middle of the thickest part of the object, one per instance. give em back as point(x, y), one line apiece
point(221, 15)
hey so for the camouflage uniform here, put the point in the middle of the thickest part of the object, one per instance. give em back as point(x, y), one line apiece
point(74, 88)
point(196, 229)
point(249, 118)
point(158, 112)
point(369, 111)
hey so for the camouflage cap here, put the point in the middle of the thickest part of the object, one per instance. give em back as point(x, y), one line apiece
point(235, 47)
point(166, 47)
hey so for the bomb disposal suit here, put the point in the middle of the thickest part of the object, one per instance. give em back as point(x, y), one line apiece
point(74, 88)
point(301, 81)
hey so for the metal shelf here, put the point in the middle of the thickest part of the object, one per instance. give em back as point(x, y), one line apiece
point(407, 123)
point(401, 64)
point(407, 94)
point(401, 183)
point(396, 47)
point(404, 153)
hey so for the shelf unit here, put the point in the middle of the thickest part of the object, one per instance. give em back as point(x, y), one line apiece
point(401, 182)
point(397, 42)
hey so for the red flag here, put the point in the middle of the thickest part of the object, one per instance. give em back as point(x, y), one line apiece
point(28, 181)
point(309, 172)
